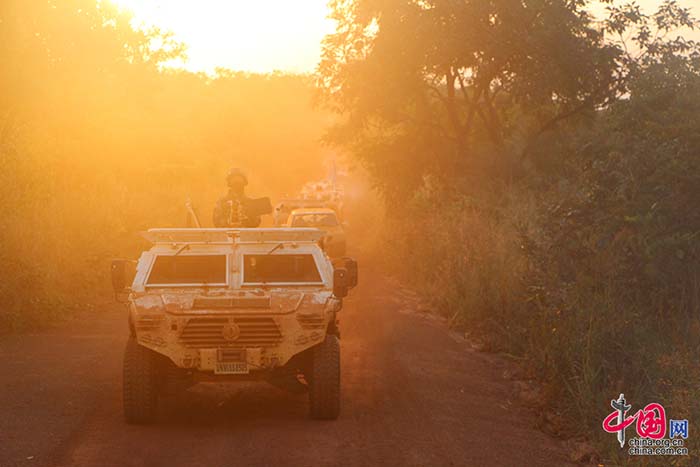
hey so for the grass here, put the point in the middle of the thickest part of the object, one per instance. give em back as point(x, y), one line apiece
point(587, 337)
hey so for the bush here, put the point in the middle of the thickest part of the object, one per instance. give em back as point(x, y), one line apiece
point(591, 273)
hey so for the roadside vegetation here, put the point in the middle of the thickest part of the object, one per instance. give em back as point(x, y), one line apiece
point(540, 172)
point(98, 142)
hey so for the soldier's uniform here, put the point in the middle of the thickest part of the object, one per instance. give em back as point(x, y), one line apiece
point(230, 210)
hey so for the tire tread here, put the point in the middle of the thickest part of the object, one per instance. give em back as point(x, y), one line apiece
point(140, 388)
point(324, 390)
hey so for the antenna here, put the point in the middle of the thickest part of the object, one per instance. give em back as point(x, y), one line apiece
point(192, 214)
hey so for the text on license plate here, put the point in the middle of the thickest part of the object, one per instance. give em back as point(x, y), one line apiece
point(231, 368)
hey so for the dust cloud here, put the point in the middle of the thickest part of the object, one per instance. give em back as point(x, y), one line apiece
point(98, 143)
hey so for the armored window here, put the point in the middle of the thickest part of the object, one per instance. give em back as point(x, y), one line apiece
point(280, 269)
point(188, 270)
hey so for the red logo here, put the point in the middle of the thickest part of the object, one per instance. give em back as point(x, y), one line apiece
point(651, 420)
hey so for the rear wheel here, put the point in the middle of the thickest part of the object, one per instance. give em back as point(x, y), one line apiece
point(140, 383)
point(324, 387)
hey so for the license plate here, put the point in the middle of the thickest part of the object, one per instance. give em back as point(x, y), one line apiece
point(231, 368)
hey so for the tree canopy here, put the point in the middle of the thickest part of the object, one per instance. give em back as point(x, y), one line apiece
point(451, 87)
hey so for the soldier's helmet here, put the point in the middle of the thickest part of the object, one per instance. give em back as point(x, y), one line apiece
point(236, 176)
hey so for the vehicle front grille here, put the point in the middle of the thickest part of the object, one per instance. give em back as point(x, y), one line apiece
point(311, 321)
point(211, 332)
point(149, 322)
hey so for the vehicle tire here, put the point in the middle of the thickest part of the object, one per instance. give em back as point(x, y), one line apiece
point(140, 383)
point(324, 387)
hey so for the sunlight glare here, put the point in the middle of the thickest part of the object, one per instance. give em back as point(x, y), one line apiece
point(259, 36)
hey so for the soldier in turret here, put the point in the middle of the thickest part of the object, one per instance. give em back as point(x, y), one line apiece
point(231, 210)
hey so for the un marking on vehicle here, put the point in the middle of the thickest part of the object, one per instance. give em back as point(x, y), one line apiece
point(231, 331)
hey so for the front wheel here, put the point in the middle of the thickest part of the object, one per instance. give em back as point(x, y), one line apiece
point(140, 383)
point(324, 387)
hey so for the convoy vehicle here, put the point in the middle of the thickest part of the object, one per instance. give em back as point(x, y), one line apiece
point(217, 304)
point(325, 190)
point(285, 207)
point(333, 240)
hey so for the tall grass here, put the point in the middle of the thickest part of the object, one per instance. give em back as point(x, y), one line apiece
point(496, 269)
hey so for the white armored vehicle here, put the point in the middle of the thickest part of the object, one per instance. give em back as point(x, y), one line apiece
point(232, 305)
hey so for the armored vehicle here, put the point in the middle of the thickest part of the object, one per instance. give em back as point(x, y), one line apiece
point(333, 239)
point(232, 305)
point(285, 207)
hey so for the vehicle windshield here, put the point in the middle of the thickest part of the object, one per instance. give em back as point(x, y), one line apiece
point(280, 268)
point(314, 220)
point(188, 270)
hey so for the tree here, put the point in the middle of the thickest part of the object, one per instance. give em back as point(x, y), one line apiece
point(449, 78)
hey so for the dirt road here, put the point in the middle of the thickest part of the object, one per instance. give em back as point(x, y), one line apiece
point(412, 395)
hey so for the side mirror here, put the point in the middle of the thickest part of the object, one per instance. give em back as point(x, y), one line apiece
point(340, 282)
point(123, 272)
point(350, 265)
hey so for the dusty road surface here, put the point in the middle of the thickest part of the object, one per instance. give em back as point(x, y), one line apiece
point(412, 395)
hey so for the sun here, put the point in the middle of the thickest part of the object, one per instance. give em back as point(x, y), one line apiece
point(259, 36)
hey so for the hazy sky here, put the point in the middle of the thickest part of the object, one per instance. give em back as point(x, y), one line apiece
point(256, 35)
point(250, 35)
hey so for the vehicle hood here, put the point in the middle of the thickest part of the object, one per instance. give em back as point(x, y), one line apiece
point(195, 301)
